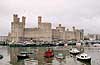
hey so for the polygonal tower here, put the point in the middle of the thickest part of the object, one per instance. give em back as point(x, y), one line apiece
point(17, 28)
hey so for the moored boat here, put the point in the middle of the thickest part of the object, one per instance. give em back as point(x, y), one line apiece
point(83, 57)
point(65, 45)
point(30, 62)
point(74, 51)
point(49, 53)
point(60, 56)
point(78, 44)
point(59, 48)
point(23, 55)
point(96, 45)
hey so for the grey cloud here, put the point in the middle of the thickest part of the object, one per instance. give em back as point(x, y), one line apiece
point(80, 13)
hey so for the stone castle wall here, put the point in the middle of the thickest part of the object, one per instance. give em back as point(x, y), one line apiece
point(42, 33)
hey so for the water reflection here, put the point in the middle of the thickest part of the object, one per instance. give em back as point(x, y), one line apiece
point(10, 56)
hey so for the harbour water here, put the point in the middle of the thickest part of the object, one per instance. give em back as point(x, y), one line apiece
point(10, 56)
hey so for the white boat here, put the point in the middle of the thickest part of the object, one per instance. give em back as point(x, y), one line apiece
point(23, 55)
point(59, 48)
point(12, 42)
point(65, 45)
point(78, 44)
point(28, 42)
point(30, 62)
point(83, 57)
point(96, 45)
point(60, 56)
point(74, 51)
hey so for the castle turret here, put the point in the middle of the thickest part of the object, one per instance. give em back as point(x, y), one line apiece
point(17, 28)
point(39, 19)
point(67, 29)
point(15, 18)
point(59, 25)
point(18, 19)
point(74, 33)
point(61, 32)
point(23, 21)
point(73, 28)
point(60, 28)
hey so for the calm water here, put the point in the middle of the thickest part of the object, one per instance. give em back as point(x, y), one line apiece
point(10, 57)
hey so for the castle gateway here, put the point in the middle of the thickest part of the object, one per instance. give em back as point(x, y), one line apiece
point(43, 32)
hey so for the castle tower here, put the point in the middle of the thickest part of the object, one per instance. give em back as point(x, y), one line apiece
point(23, 21)
point(74, 33)
point(67, 29)
point(61, 32)
point(60, 28)
point(23, 26)
point(14, 26)
point(39, 21)
point(17, 28)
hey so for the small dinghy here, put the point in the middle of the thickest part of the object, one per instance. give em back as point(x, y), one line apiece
point(23, 55)
point(49, 53)
point(74, 51)
point(96, 45)
point(60, 56)
point(30, 62)
point(83, 57)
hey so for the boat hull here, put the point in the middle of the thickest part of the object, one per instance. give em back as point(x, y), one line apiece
point(22, 57)
point(30, 62)
point(74, 53)
point(60, 57)
point(49, 56)
point(84, 60)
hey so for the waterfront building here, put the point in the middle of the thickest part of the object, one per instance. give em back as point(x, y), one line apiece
point(43, 32)
point(3, 38)
point(93, 36)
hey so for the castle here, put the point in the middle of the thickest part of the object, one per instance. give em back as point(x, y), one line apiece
point(43, 32)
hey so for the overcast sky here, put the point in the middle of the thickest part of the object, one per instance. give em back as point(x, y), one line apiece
point(84, 14)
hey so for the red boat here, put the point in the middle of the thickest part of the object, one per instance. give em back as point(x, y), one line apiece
point(49, 53)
